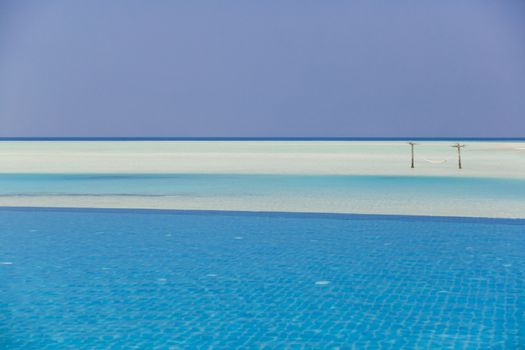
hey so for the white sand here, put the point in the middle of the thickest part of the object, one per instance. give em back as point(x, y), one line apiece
point(480, 159)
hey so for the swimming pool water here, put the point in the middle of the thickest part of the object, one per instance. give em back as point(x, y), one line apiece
point(95, 279)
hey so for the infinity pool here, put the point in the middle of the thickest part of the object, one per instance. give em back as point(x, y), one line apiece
point(118, 279)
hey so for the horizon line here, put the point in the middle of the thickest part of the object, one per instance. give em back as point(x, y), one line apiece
point(247, 138)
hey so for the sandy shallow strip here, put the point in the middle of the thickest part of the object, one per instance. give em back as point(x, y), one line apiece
point(504, 160)
point(462, 207)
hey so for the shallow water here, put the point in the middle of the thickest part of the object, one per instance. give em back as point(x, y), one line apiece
point(322, 193)
point(236, 184)
point(91, 279)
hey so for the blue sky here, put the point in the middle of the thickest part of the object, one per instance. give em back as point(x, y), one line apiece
point(262, 68)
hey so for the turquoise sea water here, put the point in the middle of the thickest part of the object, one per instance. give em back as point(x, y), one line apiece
point(202, 185)
point(96, 279)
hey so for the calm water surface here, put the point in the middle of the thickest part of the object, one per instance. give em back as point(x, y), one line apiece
point(242, 185)
point(128, 279)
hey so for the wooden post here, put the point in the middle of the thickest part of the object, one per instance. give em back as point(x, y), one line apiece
point(412, 144)
point(459, 147)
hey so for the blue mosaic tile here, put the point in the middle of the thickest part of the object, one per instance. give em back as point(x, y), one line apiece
point(138, 280)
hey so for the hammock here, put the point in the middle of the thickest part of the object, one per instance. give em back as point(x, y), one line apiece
point(436, 161)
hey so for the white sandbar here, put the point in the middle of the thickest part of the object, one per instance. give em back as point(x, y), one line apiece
point(480, 159)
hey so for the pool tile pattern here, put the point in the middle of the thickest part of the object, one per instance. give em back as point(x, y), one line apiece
point(117, 280)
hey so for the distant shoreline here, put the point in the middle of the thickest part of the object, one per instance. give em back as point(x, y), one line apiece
point(500, 159)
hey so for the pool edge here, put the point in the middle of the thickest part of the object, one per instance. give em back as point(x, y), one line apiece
point(281, 214)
